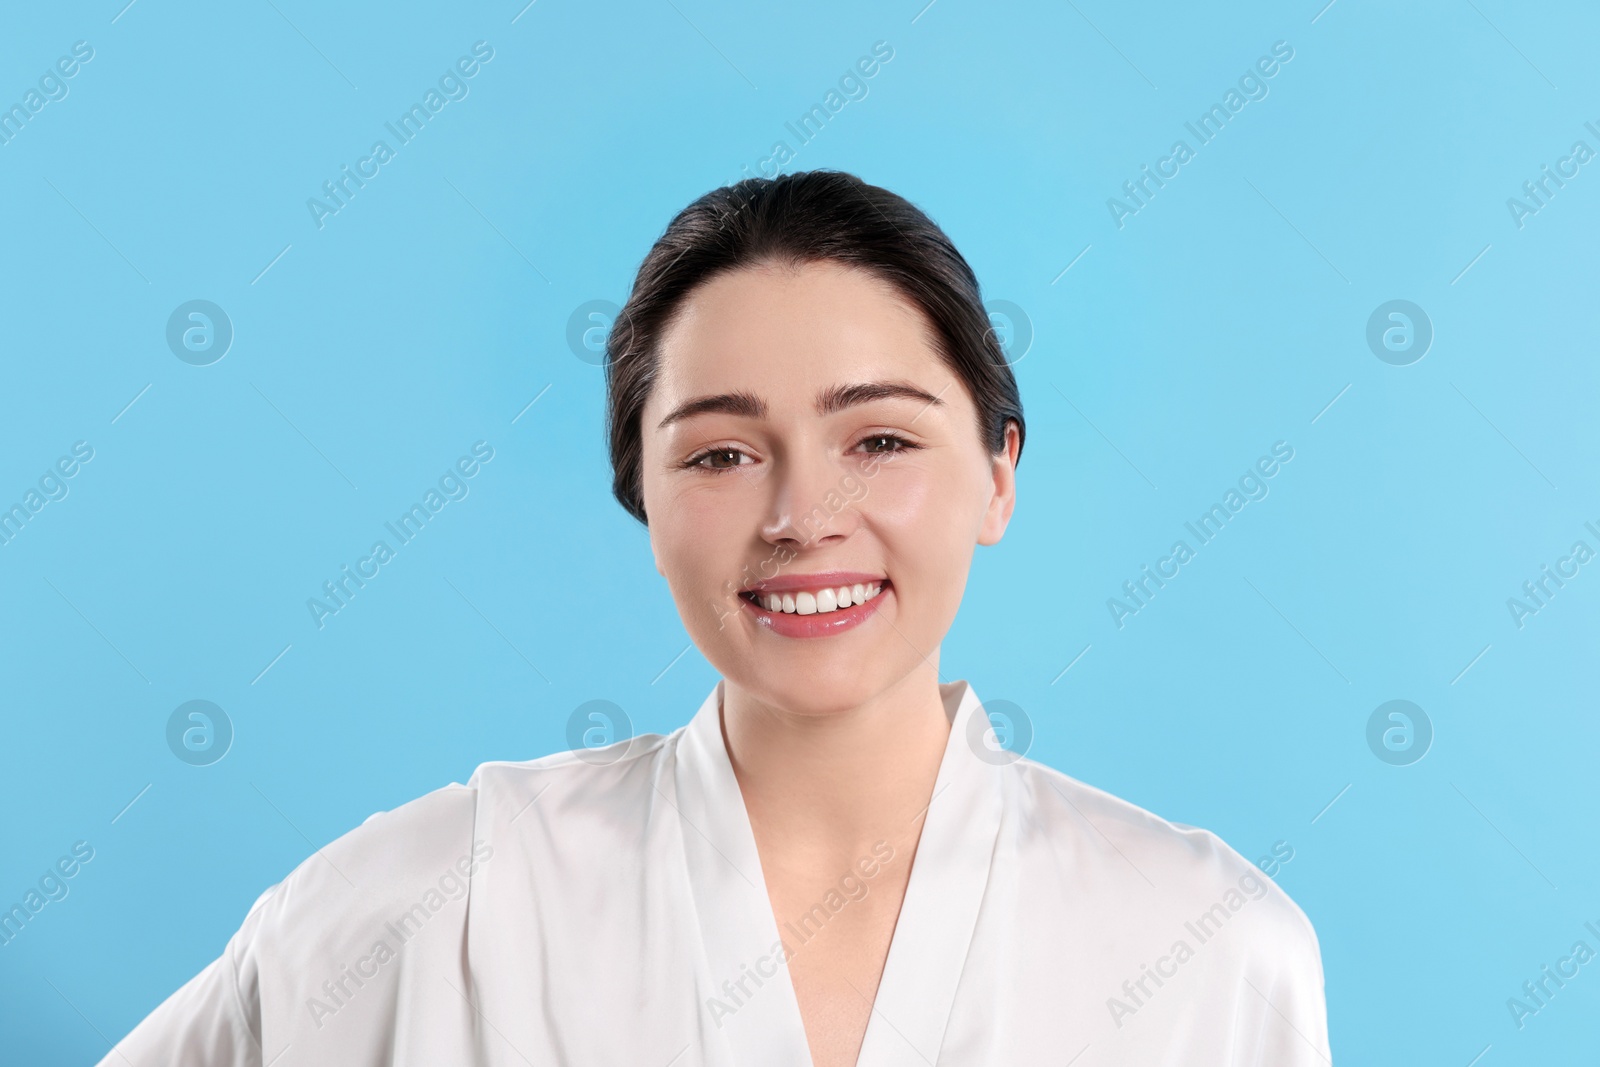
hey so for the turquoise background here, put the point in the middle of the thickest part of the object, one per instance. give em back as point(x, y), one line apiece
point(1229, 313)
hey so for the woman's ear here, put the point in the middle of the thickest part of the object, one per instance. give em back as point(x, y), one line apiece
point(1003, 496)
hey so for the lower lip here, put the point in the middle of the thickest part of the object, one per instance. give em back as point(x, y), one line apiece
point(785, 624)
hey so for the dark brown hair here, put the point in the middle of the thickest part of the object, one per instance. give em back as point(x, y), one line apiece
point(807, 216)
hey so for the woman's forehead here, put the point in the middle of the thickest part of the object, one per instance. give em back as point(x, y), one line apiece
point(773, 328)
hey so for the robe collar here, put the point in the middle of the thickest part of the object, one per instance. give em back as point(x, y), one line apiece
point(932, 935)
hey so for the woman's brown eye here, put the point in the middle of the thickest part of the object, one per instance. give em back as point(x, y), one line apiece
point(731, 456)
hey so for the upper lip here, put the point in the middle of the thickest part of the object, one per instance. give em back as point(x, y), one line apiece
point(820, 580)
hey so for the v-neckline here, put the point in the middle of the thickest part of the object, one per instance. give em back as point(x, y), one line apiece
point(932, 934)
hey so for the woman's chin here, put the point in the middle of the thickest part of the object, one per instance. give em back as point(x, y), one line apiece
point(816, 686)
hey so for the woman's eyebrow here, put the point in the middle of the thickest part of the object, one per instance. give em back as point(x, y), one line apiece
point(839, 397)
point(746, 404)
point(830, 400)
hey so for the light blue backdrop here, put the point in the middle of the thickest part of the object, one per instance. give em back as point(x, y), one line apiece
point(1229, 312)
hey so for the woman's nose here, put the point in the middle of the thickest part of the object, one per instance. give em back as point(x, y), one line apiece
point(808, 502)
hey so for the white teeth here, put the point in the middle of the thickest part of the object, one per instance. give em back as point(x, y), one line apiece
point(822, 601)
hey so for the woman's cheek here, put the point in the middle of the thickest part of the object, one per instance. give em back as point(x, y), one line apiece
point(930, 547)
point(908, 498)
point(695, 511)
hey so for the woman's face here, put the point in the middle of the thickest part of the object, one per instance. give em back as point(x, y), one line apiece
point(804, 439)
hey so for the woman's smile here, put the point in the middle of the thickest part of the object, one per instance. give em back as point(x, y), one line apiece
point(815, 605)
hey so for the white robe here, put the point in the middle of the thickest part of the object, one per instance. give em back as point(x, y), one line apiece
point(608, 908)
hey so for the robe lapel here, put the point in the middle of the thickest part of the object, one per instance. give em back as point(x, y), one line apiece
point(746, 997)
point(757, 1013)
point(948, 878)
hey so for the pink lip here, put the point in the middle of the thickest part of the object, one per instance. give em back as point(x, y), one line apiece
point(827, 624)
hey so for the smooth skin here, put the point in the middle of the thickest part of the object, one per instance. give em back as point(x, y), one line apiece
point(835, 741)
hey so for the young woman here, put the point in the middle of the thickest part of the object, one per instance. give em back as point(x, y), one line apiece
point(832, 863)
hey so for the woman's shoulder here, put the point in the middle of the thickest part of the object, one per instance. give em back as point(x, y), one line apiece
point(420, 857)
point(1185, 870)
point(320, 942)
point(452, 828)
point(606, 770)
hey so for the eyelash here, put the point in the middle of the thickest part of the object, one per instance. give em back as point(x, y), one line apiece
point(698, 460)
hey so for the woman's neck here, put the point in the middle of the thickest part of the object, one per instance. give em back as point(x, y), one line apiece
point(828, 786)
